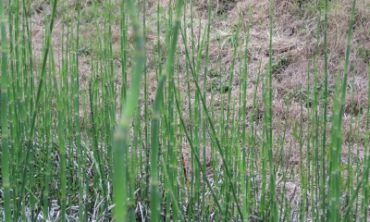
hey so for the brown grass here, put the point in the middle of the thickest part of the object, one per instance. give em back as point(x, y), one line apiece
point(294, 34)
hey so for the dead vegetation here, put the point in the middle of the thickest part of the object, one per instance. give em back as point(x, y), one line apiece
point(296, 49)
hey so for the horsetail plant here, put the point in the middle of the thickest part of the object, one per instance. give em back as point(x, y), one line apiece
point(171, 111)
point(121, 137)
point(4, 107)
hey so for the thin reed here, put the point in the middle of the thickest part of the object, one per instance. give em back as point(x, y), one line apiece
point(146, 110)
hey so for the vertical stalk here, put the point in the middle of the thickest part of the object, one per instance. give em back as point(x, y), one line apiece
point(4, 108)
point(336, 131)
point(121, 135)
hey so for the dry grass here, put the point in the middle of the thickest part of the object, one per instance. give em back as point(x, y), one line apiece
point(293, 39)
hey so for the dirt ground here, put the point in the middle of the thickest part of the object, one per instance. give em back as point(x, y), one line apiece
point(294, 41)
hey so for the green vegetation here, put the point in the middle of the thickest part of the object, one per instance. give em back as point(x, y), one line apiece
point(142, 119)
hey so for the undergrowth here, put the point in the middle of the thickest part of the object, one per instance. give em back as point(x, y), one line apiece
point(160, 129)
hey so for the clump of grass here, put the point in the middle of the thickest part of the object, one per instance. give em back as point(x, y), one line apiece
point(279, 65)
